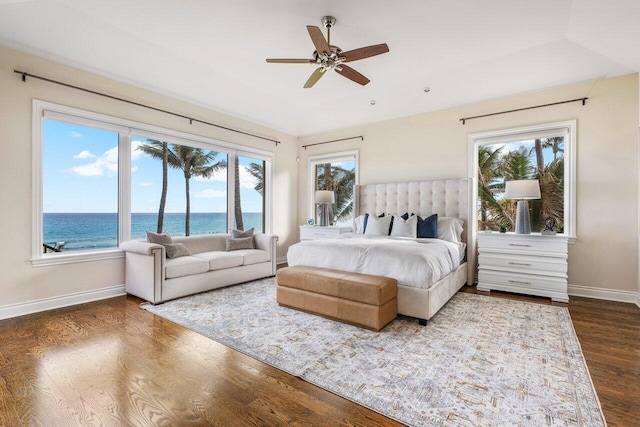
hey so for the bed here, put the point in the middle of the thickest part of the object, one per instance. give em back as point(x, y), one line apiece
point(423, 286)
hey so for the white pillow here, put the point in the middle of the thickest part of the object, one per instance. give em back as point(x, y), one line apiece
point(358, 224)
point(378, 226)
point(402, 228)
point(450, 229)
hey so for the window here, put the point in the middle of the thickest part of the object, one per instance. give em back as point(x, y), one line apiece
point(336, 172)
point(188, 196)
point(249, 193)
point(100, 180)
point(545, 153)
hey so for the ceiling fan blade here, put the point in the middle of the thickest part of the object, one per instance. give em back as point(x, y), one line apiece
point(290, 61)
point(352, 74)
point(319, 72)
point(365, 52)
point(318, 39)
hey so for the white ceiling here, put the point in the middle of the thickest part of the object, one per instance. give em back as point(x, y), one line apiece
point(212, 52)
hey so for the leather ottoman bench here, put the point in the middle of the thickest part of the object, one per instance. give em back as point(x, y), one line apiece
point(359, 299)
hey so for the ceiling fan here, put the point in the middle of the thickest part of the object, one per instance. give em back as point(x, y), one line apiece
point(331, 57)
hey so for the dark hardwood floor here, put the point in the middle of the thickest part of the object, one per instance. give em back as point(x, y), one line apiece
point(112, 363)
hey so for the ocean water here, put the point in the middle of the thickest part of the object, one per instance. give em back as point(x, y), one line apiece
point(83, 231)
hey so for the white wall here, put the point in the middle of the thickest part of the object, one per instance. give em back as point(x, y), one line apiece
point(19, 281)
point(434, 146)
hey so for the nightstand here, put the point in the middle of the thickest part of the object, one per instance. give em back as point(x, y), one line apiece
point(312, 232)
point(524, 263)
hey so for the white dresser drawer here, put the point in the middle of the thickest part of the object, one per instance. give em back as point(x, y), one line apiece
point(552, 287)
point(539, 244)
point(521, 263)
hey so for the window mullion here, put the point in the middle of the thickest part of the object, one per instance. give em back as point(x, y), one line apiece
point(124, 187)
point(231, 191)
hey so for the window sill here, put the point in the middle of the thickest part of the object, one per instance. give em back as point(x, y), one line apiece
point(69, 258)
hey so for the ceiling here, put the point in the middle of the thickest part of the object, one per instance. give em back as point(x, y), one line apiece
point(212, 52)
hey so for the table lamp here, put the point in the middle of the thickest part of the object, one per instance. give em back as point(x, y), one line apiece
point(522, 190)
point(324, 198)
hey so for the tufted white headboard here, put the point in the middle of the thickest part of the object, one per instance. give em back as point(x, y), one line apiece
point(446, 197)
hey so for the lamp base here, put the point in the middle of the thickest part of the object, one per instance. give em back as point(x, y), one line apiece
point(324, 215)
point(523, 224)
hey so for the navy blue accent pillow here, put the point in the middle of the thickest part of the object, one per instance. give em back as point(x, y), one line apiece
point(428, 227)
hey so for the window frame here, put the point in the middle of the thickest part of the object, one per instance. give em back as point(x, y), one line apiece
point(42, 110)
point(313, 161)
point(531, 132)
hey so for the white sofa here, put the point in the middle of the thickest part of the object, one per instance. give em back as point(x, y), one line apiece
point(150, 275)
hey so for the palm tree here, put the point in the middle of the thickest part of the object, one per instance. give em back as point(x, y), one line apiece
point(495, 168)
point(237, 204)
point(341, 182)
point(490, 183)
point(556, 144)
point(257, 171)
point(159, 150)
point(192, 161)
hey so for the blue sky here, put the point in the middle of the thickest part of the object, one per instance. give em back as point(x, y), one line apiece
point(80, 174)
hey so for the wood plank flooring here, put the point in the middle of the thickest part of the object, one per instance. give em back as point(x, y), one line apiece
point(112, 363)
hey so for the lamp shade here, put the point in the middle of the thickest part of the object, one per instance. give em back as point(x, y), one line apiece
point(324, 197)
point(522, 189)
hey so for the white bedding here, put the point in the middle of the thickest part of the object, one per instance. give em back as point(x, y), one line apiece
point(412, 262)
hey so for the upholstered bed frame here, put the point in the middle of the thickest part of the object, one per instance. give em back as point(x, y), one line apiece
point(451, 198)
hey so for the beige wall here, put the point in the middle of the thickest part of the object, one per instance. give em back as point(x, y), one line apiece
point(435, 145)
point(19, 281)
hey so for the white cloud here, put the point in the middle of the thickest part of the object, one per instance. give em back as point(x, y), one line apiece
point(106, 164)
point(74, 134)
point(133, 169)
point(210, 193)
point(145, 184)
point(86, 154)
point(135, 153)
point(220, 176)
point(246, 179)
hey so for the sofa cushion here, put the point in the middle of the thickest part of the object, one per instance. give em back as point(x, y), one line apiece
point(185, 266)
point(220, 260)
point(253, 256)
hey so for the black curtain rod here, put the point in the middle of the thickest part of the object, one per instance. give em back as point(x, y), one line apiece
point(584, 101)
point(334, 140)
point(191, 119)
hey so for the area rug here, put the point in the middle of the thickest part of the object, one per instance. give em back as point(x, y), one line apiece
point(480, 361)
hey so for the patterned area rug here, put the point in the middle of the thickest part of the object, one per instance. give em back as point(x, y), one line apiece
point(480, 361)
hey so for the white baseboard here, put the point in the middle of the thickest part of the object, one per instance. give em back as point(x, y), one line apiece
point(35, 306)
point(281, 260)
point(605, 294)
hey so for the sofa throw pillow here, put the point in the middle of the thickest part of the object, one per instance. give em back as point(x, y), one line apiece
point(428, 227)
point(175, 250)
point(159, 238)
point(239, 243)
point(237, 234)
